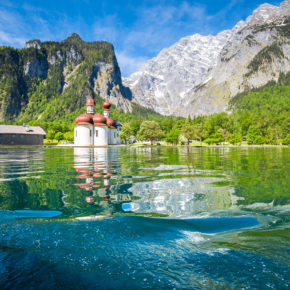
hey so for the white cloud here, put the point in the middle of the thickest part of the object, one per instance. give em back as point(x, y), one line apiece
point(35, 23)
point(10, 32)
point(11, 40)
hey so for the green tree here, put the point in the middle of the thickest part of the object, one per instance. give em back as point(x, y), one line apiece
point(135, 126)
point(272, 135)
point(235, 138)
point(286, 141)
point(254, 134)
point(198, 133)
point(210, 141)
point(58, 136)
point(179, 123)
point(166, 124)
point(68, 136)
point(217, 122)
point(259, 140)
point(191, 132)
point(150, 130)
point(215, 139)
point(224, 132)
point(173, 136)
point(50, 134)
point(188, 120)
point(126, 132)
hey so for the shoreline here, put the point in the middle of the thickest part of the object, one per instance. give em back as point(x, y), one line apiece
point(144, 146)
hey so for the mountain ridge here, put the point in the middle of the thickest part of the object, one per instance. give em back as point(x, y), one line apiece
point(45, 79)
point(157, 84)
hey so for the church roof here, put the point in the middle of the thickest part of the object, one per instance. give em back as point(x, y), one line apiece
point(84, 119)
point(27, 130)
point(107, 105)
point(97, 119)
point(90, 102)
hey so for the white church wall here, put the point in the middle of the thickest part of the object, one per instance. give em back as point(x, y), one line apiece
point(83, 135)
point(118, 138)
point(113, 140)
point(112, 136)
point(109, 136)
point(115, 136)
point(101, 136)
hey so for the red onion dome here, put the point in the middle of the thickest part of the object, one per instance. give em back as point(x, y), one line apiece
point(90, 102)
point(110, 122)
point(99, 120)
point(107, 105)
point(84, 119)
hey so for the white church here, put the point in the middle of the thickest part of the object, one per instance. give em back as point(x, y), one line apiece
point(94, 129)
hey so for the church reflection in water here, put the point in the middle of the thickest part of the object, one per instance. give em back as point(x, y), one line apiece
point(174, 190)
point(97, 169)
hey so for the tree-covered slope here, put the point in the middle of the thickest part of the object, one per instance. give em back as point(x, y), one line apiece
point(267, 107)
point(47, 80)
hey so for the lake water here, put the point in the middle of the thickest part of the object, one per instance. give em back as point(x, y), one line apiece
point(191, 218)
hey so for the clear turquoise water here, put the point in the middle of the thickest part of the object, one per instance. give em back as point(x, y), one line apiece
point(198, 218)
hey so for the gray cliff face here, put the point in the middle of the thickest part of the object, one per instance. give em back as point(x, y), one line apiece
point(104, 78)
point(162, 83)
point(65, 73)
point(39, 66)
point(107, 83)
point(36, 68)
point(33, 43)
point(199, 74)
point(73, 56)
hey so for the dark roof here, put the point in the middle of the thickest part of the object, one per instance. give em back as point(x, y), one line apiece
point(27, 130)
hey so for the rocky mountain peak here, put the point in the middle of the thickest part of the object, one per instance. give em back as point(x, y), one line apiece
point(285, 4)
point(267, 13)
point(33, 43)
point(74, 36)
point(171, 74)
point(199, 74)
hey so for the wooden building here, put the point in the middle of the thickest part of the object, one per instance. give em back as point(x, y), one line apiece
point(21, 135)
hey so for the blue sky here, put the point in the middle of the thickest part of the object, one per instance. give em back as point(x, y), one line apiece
point(138, 29)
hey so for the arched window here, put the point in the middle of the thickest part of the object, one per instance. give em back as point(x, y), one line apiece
point(97, 133)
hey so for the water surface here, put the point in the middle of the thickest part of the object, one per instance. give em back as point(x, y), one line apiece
point(198, 218)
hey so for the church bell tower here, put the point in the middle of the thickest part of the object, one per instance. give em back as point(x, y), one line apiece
point(90, 106)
